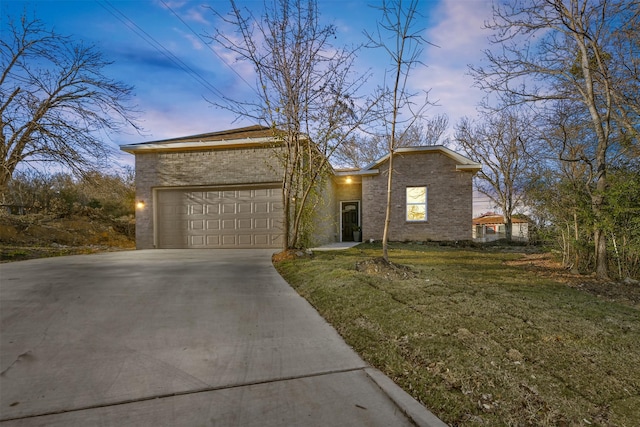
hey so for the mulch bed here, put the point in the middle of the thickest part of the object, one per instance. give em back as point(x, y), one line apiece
point(382, 268)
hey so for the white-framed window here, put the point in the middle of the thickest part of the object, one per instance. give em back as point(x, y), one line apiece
point(416, 203)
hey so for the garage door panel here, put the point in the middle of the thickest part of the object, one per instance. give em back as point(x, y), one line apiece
point(228, 240)
point(196, 225)
point(276, 240)
point(261, 207)
point(196, 209)
point(213, 218)
point(213, 240)
point(197, 241)
point(244, 224)
point(261, 224)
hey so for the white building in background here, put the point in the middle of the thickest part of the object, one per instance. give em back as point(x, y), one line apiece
point(490, 226)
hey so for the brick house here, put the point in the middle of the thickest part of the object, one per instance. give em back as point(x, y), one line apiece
point(224, 189)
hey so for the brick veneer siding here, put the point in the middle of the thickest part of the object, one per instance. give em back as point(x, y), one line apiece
point(449, 199)
point(197, 168)
point(323, 220)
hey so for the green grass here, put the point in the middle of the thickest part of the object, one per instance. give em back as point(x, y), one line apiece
point(479, 342)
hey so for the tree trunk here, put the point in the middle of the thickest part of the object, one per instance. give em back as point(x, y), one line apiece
point(576, 265)
point(5, 177)
point(602, 267)
point(387, 216)
point(597, 204)
point(285, 217)
point(508, 227)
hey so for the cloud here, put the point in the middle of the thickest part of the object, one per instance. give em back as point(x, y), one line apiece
point(198, 15)
point(181, 119)
point(458, 32)
point(192, 39)
point(458, 28)
point(141, 58)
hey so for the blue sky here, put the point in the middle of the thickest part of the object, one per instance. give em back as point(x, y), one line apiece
point(173, 102)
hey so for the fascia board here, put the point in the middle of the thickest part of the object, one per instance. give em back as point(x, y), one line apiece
point(195, 145)
point(464, 163)
point(357, 172)
point(473, 167)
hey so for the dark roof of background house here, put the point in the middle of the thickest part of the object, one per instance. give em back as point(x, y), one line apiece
point(255, 131)
point(246, 136)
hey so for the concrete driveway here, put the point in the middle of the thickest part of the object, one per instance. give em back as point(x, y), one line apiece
point(178, 338)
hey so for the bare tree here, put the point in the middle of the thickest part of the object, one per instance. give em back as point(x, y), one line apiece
point(399, 38)
point(365, 148)
point(501, 142)
point(55, 102)
point(564, 50)
point(305, 89)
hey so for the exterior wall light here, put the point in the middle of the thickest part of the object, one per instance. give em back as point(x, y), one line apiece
point(140, 204)
point(348, 180)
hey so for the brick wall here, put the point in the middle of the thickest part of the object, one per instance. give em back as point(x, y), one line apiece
point(197, 168)
point(324, 220)
point(449, 199)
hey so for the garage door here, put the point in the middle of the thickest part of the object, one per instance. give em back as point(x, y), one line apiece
point(219, 218)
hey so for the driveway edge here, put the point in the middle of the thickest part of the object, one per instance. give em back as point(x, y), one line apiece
point(420, 415)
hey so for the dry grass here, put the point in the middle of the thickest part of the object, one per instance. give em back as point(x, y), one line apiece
point(38, 236)
point(482, 338)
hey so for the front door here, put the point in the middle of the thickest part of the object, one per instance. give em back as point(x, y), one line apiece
point(350, 221)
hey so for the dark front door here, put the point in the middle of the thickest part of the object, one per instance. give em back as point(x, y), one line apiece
point(350, 222)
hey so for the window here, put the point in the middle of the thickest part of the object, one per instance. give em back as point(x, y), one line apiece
point(416, 203)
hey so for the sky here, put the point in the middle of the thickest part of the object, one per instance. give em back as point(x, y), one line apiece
point(159, 47)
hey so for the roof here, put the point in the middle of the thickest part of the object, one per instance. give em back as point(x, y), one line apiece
point(464, 163)
point(492, 218)
point(246, 136)
point(254, 136)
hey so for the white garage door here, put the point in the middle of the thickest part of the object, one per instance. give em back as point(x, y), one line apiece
point(219, 218)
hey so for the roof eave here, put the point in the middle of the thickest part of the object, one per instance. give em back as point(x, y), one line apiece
point(476, 167)
point(196, 145)
point(464, 164)
point(360, 172)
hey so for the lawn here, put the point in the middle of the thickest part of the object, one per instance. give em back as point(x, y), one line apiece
point(479, 337)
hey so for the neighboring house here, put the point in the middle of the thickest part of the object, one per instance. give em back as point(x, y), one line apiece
point(490, 226)
point(224, 189)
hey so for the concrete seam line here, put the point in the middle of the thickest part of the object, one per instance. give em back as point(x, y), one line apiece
point(420, 415)
point(181, 393)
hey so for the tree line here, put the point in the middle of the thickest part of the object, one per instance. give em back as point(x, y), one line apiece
point(63, 194)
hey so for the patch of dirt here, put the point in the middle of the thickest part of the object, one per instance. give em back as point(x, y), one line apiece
point(380, 267)
point(544, 264)
point(290, 254)
point(37, 236)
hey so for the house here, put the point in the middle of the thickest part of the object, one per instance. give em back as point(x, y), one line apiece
point(490, 226)
point(224, 189)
